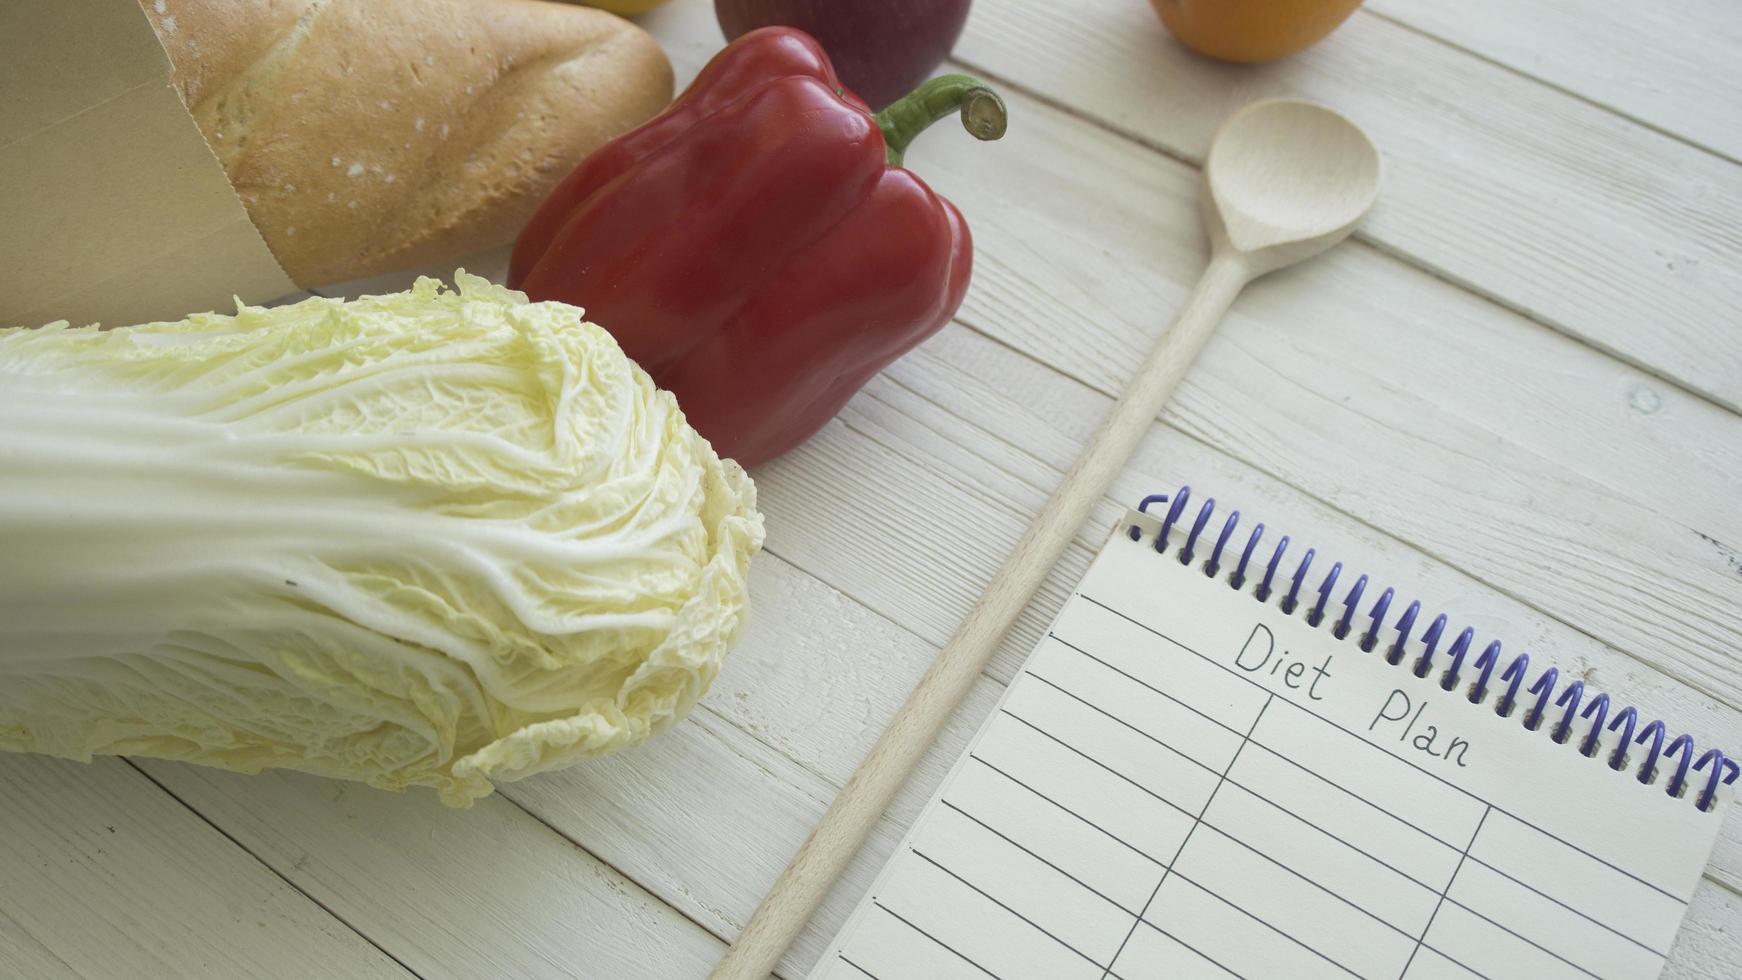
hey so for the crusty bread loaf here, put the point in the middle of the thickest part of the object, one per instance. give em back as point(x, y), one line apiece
point(366, 136)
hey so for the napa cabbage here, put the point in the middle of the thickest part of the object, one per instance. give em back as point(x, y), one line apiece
point(436, 538)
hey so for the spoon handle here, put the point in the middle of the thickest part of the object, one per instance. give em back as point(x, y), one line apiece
point(807, 879)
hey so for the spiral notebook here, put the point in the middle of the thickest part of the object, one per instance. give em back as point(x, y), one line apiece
point(1226, 761)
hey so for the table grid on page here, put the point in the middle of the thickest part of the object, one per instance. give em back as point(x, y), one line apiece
point(1251, 854)
point(1141, 807)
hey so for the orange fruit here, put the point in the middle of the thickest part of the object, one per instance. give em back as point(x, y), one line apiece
point(1251, 31)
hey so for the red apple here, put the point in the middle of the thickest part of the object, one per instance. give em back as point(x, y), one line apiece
point(882, 49)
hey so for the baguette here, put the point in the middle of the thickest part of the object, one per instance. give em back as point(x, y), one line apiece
point(367, 136)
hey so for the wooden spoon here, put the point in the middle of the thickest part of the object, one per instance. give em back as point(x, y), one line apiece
point(1284, 180)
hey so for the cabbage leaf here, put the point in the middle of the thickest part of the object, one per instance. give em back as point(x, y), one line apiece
point(435, 538)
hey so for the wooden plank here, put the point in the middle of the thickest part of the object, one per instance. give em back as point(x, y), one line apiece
point(1605, 229)
point(907, 464)
point(1671, 66)
point(1707, 945)
point(727, 811)
point(703, 817)
point(914, 564)
point(705, 858)
point(107, 876)
point(921, 498)
point(1546, 469)
point(724, 802)
point(728, 807)
point(610, 804)
point(1587, 488)
point(23, 955)
point(450, 893)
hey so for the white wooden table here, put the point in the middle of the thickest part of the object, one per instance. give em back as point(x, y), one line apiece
point(1515, 394)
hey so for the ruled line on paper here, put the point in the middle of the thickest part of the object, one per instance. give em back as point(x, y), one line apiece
point(956, 952)
point(1318, 885)
point(1259, 796)
point(1301, 843)
point(1465, 855)
point(1441, 894)
point(1321, 777)
point(1167, 867)
point(1050, 935)
point(1113, 975)
point(1498, 925)
point(1248, 914)
point(1097, 762)
point(1421, 939)
point(1115, 718)
point(983, 894)
point(1221, 966)
point(1547, 897)
point(1221, 777)
point(1001, 836)
point(1138, 680)
point(1379, 861)
point(1166, 870)
point(1133, 848)
point(1429, 773)
point(1296, 763)
point(1200, 821)
point(1280, 755)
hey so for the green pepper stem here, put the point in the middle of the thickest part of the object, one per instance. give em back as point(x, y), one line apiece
point(983, 112)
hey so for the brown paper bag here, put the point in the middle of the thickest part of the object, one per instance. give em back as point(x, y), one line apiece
point(112, 208)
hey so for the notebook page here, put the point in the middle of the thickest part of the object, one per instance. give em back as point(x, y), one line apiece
point(1185, 782)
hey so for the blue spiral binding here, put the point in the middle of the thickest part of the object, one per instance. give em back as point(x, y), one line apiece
point(1538, 693)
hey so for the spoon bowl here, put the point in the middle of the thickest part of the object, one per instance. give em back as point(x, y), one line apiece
point(1285, 180)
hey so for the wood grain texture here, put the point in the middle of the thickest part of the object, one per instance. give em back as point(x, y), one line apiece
point(728, 811)
point(808, 689)
point(1708, 945)
point(1285, 180)
point(485, 892)
point(1099, 226)
point(1585, 221)
point(1671, 66)
point(693, 791)
point(104, 875)
point(23, 955)
point(1583, 486)
point(921, 426)
point(1588, 488)
point(1248, 240)
point(1421, 431)
point(729, 796)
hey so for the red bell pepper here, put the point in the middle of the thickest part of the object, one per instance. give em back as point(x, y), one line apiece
point(757, 247)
